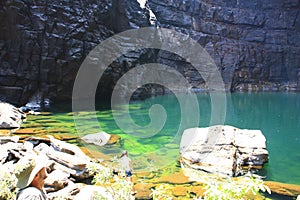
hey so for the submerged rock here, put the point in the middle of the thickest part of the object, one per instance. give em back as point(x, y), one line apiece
point(284, 189)
point(223, 149)
point(99, 139)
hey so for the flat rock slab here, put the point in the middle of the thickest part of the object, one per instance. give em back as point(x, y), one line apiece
point(283, 188)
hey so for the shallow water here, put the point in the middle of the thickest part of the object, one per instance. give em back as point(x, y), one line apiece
point(275, 114)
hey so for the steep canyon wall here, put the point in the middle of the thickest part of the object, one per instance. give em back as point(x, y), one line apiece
point(255, 44)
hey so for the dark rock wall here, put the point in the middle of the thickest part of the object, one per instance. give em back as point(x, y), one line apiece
point(43, 43)
point(255, 44)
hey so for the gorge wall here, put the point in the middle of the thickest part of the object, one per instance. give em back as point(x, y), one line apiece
point(255, 44)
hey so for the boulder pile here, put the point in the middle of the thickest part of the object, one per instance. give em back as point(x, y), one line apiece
point(67, 165)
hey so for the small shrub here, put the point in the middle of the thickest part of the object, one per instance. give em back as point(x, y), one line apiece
point(161, 193)
point(245, 188)
point(7, 184)
point(61, 197)
point(118, 186)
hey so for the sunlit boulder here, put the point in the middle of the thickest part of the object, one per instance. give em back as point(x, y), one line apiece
point(223, 149)
point(10, 116)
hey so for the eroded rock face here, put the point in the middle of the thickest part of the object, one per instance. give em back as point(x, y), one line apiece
point(255, 44)
point(43, 44)
point(223, 149)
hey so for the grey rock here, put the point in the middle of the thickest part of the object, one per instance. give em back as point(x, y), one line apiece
point(99, 139)
point(223, 149)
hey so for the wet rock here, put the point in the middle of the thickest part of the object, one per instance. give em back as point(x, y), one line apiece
point(35, 104)
point(143, 190)
point(145, 175)
point(99, 139)
point(176, 178)
point(283, 188)
point(38, 140)
point(63, 135)
point(180, 191)
point(25, 131)
point(114, 139)
point(198, 190)
point(223, 149)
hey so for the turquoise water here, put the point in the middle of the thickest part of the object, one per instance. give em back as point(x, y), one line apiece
point(275, 114)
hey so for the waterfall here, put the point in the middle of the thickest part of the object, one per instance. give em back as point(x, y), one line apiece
point(152, 18)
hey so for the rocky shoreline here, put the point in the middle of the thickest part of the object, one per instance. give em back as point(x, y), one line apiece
point(69, 175)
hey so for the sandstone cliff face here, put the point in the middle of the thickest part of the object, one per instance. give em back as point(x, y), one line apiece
point(255, 44)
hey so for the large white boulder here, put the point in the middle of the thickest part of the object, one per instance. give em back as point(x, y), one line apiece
point(223, 149)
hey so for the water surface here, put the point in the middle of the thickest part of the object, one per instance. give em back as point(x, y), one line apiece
point(275, 114)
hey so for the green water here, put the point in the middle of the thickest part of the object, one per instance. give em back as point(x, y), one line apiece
point(275, 114)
